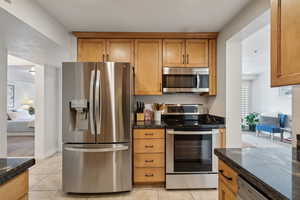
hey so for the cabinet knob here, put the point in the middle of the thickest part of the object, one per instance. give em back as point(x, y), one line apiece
point(149, 146)
point(187, 59)
point(149, 134)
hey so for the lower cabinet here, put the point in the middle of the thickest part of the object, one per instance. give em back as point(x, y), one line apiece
point(16, 188)
point(148, 156)
point(227, 182)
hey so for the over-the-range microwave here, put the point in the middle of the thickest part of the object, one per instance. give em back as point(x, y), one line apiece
point(185, 80)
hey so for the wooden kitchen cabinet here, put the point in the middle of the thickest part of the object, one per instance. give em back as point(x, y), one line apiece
point(222, 137)
point(174, 53)
point(186, 53)
point(91, 50)
point(16, 188)
point(100, 50)
point(197, 53)
point(212, 67)
point(225, 193)
point(285, 45)
point(228, 186)
point(119, 50)
point(148, 67)
point(148, 156)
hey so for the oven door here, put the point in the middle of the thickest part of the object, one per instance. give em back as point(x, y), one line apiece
point(191, 151)
point(176, 80)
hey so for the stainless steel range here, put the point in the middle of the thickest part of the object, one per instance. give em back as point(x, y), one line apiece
point(191, 138)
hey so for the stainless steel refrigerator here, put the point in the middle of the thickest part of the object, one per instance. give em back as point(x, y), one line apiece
point(96, 127)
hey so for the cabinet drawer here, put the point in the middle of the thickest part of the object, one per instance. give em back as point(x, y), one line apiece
point(148, 133)
point(149, 175)
point(149, 146)
point(228, 176)
point(149, 160)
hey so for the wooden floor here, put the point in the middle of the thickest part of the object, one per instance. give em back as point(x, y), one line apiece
point(20, 146)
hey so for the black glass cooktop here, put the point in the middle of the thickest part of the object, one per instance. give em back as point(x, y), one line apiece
point(193, 122)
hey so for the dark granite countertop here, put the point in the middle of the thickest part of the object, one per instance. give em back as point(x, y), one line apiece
point(273, 171)
point(149, 125)
point(11, 167)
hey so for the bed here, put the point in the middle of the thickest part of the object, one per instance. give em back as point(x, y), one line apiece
point(20, 123)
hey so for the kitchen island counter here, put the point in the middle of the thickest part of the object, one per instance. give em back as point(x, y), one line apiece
point(275, 172)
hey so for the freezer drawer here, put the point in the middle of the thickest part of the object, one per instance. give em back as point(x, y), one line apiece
point(97, 168)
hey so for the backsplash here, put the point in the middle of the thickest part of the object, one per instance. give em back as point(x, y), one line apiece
point(174, 99)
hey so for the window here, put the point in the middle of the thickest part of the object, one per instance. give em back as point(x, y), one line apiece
point(244, 99)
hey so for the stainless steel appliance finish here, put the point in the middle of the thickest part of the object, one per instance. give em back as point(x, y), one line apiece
point(184, 109)
point(190, 162)
point(185, 80)
point(248, 192)
point(96, 127)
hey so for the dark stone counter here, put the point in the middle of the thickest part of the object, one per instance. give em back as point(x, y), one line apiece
point(12, 167)
point(273, 171)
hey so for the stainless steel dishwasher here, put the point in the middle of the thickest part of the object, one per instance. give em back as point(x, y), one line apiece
point(248, 192)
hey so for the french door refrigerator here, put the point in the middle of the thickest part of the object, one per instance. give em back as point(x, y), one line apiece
point(96, 127)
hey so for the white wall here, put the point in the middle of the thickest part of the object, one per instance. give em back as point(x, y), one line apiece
point(256, 60)
point(47, 126)
point(23, 82)
point(3, 104)
point(218, 104)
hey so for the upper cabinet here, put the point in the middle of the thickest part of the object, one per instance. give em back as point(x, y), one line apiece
point(119, 50)
point(174, 53)
point(149, 52)
point(100, 50)
point(148, 67)
point(186, 53)
point(90, 50)
point(285, 45)
point(197, 53)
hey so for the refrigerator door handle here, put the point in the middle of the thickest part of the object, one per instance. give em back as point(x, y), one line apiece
point(91, 109)
point(98, 102)
point(96, 150)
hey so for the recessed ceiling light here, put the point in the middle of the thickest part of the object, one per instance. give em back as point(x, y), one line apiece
point(8, 1)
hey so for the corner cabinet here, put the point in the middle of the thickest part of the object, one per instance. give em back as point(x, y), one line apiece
point(148, 67)
point(285, 47)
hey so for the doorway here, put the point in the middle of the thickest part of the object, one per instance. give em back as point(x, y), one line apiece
point(21, 92)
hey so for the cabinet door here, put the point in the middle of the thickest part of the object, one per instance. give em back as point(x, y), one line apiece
point(173, 53)
point(212, 67)
point(90, 50)
point(285, 46)
point(148, 67)
point(119, 50)
point(197, 53)
point(224, 192)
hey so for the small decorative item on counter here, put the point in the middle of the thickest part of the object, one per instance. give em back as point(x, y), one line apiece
point(157, 108)
point(148, 112)
point(140, 106)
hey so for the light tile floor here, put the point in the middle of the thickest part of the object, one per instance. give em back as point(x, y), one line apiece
point(45, 184)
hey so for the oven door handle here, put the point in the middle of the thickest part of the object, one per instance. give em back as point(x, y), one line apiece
point(172, 132)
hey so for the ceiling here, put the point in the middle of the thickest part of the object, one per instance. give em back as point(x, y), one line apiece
point(143, 15)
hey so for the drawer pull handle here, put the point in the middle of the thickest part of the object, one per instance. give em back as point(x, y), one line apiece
point(227, 177)
point(149, 146)
point(149, 161)
point(149, 134)
point(149, 175)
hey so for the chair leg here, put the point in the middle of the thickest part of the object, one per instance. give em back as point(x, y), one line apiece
point(272, 136)
point(257, 133)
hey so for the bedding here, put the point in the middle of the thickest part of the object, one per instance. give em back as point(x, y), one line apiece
point(20, 122)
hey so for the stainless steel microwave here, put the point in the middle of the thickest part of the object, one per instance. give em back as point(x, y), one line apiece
point(185, 80)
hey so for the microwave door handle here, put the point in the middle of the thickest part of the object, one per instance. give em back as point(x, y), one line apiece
point(98, 98)
point(198, 80)
point(92, 103)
